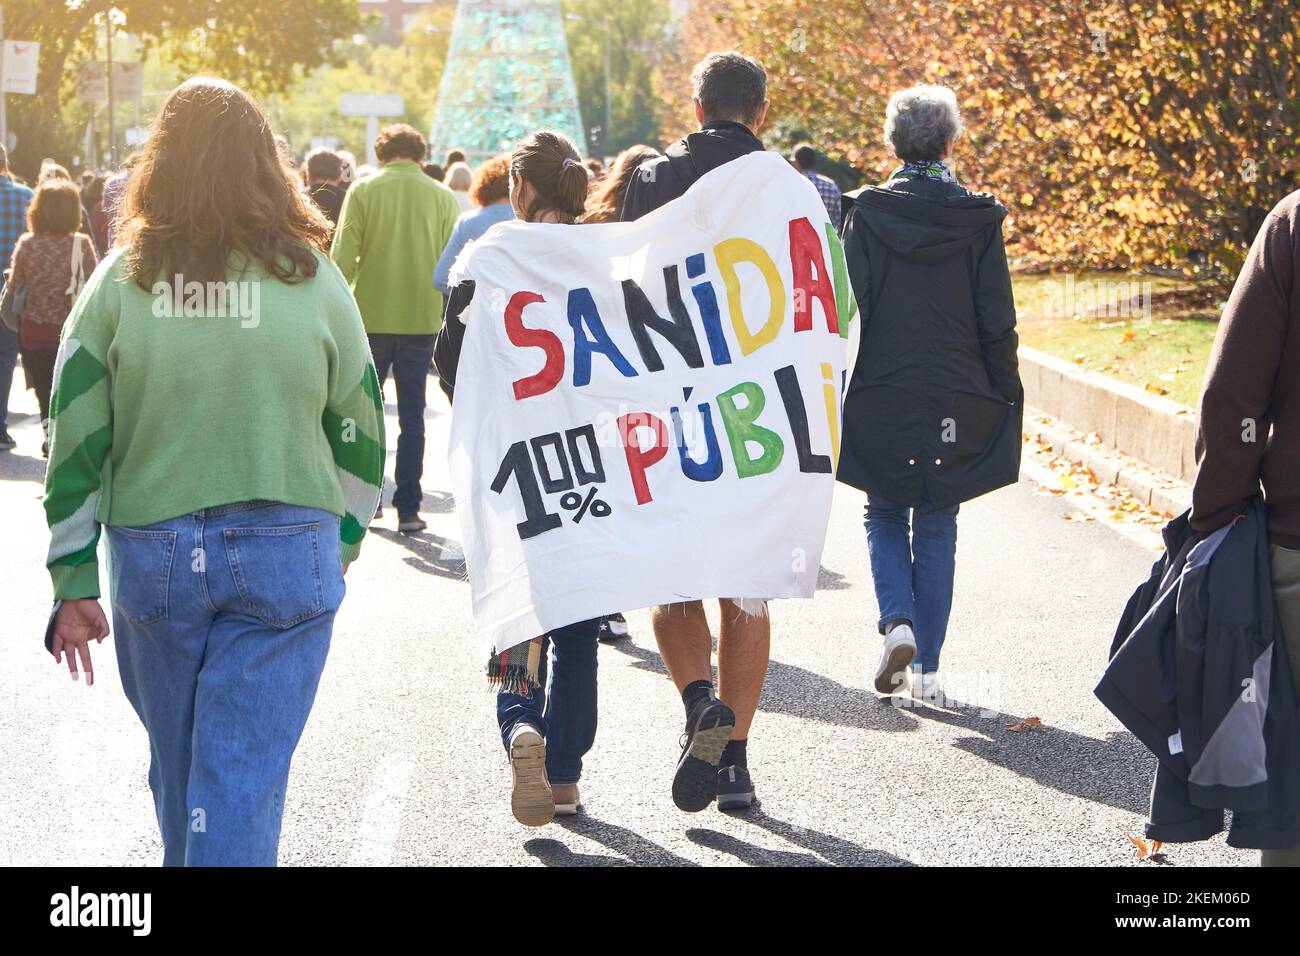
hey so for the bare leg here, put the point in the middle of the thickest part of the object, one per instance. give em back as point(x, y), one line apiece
point(743, 646)
point(685, 644)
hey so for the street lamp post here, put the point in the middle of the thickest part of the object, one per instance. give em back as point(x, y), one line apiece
point(605, 138)
point(4, 106)
point(108, 83)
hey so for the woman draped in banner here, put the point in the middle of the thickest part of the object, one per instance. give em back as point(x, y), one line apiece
point(606, 205)
point(546, 730)
point(933, 413)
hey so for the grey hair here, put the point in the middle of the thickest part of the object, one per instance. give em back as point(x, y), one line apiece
point(920, 121)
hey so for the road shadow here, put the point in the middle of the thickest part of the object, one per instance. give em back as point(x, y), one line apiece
point(748, 853)
point(830, 848)
point(828, 580)
point(803, 693)
point(1116, 771)
point(430, 553)
point(431, 502)
point(818, 849)
point(437, 503)
point(18, 467)
point(632, 848)
point(554, 853)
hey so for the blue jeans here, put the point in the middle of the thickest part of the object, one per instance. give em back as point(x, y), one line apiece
point(222, 622)
point(912, 570)
point(8, 358)
point(409, 356)
point(565, 712)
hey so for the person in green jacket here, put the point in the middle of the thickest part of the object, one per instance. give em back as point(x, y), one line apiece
point(391, 233)
point(215, 406)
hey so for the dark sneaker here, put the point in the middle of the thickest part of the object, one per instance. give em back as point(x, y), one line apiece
point(695, 785)
point(613, 627)
point(735, 788)
point(6, 441)
point(410, 524)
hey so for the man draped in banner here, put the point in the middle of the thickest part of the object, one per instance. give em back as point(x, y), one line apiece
point(729, 93)
point(648, 414)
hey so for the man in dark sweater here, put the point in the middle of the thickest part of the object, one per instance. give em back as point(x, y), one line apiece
point(1249, 430)
point(729, 92)
point(728, 83)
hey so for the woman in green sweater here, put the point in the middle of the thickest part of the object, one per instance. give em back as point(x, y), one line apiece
point(216, 408)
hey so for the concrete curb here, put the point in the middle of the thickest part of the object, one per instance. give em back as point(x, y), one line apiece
point(1152, 488)
point(1154, 430)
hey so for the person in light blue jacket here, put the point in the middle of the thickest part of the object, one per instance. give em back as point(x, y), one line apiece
point(490, 193)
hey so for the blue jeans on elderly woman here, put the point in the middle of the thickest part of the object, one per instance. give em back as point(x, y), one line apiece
point(913, 558)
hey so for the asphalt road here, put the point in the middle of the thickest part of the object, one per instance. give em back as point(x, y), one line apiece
point(401, 762)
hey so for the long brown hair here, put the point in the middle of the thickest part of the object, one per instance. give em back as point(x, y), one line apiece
point(550, 164)
point(607, 204)
point(55, 209)
point(210, 182)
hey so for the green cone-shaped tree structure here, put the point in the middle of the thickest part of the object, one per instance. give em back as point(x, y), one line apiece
point(507, 75)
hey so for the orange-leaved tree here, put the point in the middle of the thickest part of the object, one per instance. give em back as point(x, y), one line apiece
point(1119, 134)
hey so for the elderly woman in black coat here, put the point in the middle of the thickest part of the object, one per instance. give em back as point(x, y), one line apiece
point(933, 412)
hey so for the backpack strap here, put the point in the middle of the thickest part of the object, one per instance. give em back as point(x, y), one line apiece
point(77, 281)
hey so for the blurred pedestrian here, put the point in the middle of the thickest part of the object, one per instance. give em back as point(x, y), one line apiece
point(458, 179)
point(349, 162)
point(433, 171)
point(53, 172)
point(933, 412)
point(490, 193)
point(285, 152)
point(546, 731)
point(606, 203)
point(92, 197)
point(804, 159)
point(14, 200)
point(324, 172)
point(595, 169)
point(227, 538)
point(114, 193)
point(392, 231)
point(50, 263)
point(453, 157)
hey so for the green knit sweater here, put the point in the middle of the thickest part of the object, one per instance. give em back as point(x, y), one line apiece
point(165, 404)
point(391, 233)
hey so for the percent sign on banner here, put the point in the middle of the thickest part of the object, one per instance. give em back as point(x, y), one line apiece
point(534, 475)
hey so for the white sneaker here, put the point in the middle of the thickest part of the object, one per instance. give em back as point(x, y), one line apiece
point(900, 648)
point(925, 688)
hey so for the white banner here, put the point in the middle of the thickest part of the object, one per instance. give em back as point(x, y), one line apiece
point(371, 104)
point(649, 412)
point(21, 66)
point(128, 81)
